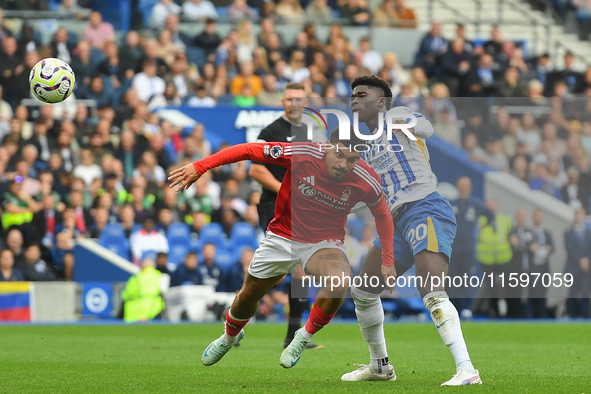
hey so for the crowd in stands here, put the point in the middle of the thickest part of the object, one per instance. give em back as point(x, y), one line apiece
point(72, 171)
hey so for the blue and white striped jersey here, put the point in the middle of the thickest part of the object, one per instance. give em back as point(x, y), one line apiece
point(406, 176)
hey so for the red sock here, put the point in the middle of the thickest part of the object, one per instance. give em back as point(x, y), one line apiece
point(233, 327)
point(317, 320)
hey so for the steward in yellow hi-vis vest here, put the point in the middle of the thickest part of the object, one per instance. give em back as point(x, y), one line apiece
point(493, 245)
point(142, 294)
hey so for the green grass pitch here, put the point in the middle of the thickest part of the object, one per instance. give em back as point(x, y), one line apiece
point(512, 358)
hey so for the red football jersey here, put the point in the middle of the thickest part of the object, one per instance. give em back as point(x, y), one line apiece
point(311, 206)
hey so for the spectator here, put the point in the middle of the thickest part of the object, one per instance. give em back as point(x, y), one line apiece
point(455, 65)
point(130, 53)
point(475, 152)
point(318, 12)
point(572, 79)
point(482, 80)
point(147, 84)
point(209, 271)
point(127, 215)
point(88, 170)
point(494, 46)
point(290, 12)
point(187, 273)
point(151, 53)
point(239, 10)
point(509, 141)
point(510, 86)
point(461, 33)
point(385, 15)
point(269, 96)
point(36, 269)
point(541, 181)
point(82, 65)
point(97, 32)
point(142, 294)
point(356, 12)
point(202, 100)
point(199, 10)
point(147, 240)
point(149, 169)
point(235, 276)
point(208, 39)
point(167, 49)
point(163, 265)
point(405, 15)
point(61, 47)
point(448, 129)
point(97, 91)
point(5, 108)
point(161, 11)
point(573, 194)
point(246, 77)
point(17, 206)
point(577, 241)
point(297, 71)
point(432, 47)
point(542, 247)
point(530, 132)
point(468, 210)
point(370, 59)
point(113, 68)
point(15, 242)
point(7, 271)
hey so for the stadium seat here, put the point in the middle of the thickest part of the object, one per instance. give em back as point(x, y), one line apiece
point(177, 253)
point(179, 242)
point(224, 259)
point(113, 238)
point(213, 234)
point(243, 235)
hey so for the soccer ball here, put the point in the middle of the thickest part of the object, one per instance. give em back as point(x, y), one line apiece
point(52, 80)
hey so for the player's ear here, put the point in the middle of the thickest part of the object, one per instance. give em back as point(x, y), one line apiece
point(382, 102)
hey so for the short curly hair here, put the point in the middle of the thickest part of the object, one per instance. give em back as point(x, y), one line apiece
point(375, 83)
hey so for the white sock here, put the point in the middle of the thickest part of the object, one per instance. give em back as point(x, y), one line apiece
point(447, 321)
point(370, 314)
point(306, 334)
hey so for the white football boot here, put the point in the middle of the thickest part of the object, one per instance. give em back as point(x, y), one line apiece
point(292, 353)
point(463, 378)
point(218, 349)
point(364, 374)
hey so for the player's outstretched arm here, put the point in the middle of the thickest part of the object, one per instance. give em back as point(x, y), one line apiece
point(274, 153)
point(385, 228)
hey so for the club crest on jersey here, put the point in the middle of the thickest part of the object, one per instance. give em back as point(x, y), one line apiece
point(346, 194)
point(276, 151)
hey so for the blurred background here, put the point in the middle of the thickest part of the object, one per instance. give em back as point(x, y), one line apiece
point(83, 198)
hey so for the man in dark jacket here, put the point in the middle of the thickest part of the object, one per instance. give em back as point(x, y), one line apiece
point(188, 272)
point(455, 65)
point(542, 247)
point(463, 259)
point(577, 241)
point(521, 238)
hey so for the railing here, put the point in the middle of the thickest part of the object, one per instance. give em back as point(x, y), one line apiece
point(545, 43)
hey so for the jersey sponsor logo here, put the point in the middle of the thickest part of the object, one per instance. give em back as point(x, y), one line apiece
point(276, 151)
point(323, 198)
point(291, 137)
point(266, 150)
point(310, 180)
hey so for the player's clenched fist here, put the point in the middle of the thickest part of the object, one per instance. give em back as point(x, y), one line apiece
point(184, 177)
point(389, 274)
